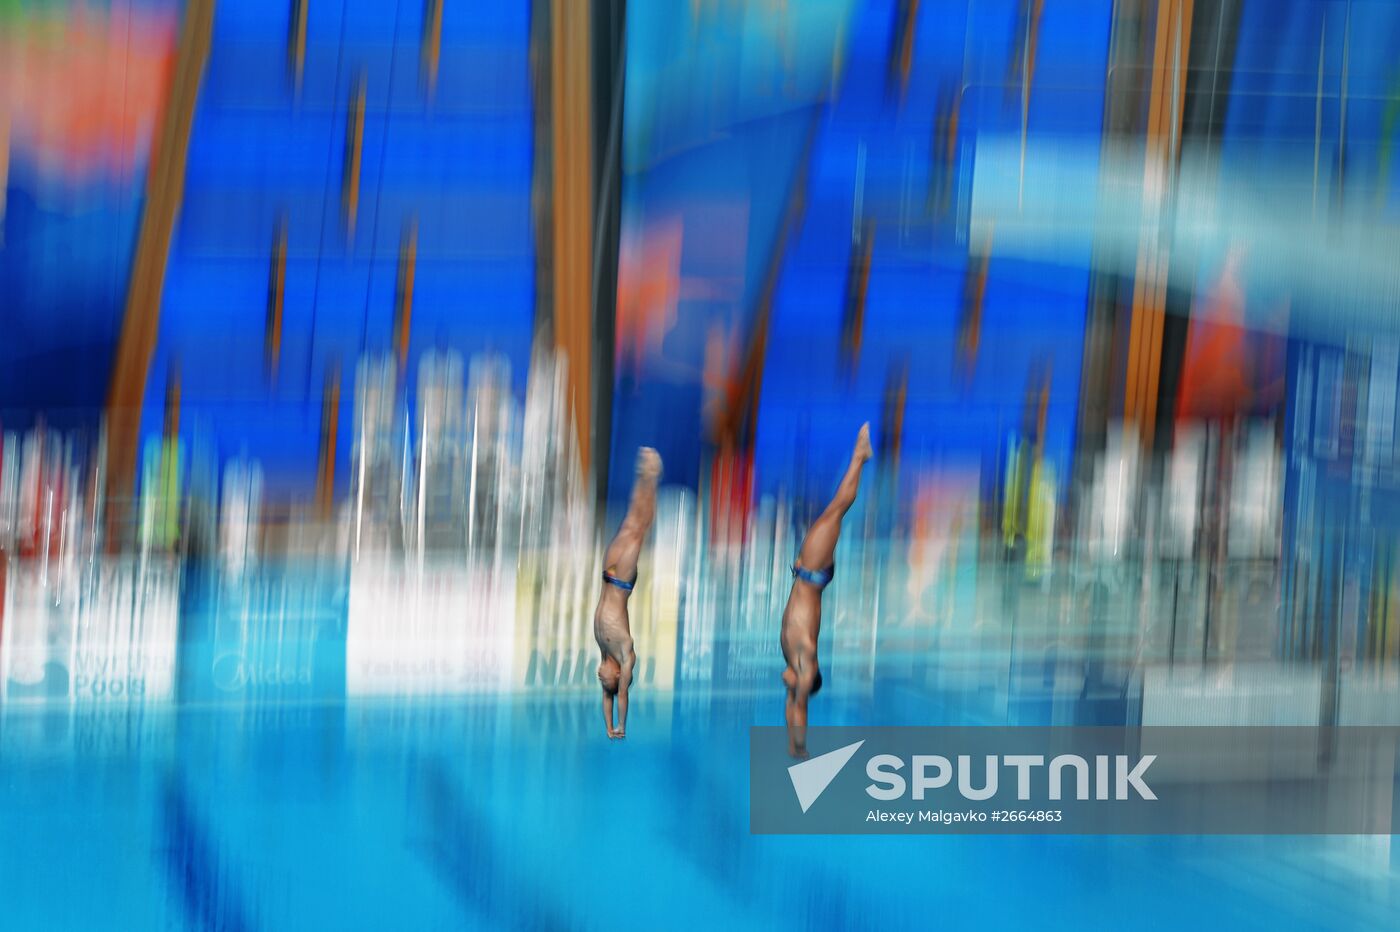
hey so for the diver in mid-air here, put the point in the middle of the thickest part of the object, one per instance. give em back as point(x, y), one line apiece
point(802, 617)
point(610, 622)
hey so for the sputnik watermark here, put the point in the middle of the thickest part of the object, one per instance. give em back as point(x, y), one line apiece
point(811, 777)
point(1114, 778)
point(933, 772)
point(1077, 780)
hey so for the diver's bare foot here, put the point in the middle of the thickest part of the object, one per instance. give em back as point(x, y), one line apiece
point(797, 753)
point(619, 733)
point(863, 451)
point(648, 463)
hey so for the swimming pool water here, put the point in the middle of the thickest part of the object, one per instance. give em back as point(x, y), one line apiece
point(514, 811)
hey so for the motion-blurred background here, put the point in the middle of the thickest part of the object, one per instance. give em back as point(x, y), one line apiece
point(329, 330)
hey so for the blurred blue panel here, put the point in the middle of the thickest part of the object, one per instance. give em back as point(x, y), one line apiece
point(461, 223)
point(240, 221)
point(459, 165)
point(272, 150)
point(473, 300)
point(863, 84)
point(433, 149)
point(939, 42)
point(325, 22)
point(474, 307)
point(1072, 50)
point(748, 171)
point(504, 22)
point(876, 149)
point(257, 19)
point(484, 78)
point(244, 74)
point(368, 21)
point(991, 34)
point(331, 73)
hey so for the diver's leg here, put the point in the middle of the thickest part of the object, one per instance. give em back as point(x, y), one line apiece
point(620, 559)
point(819, 546)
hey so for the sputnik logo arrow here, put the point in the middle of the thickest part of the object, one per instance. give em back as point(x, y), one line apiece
point(811, 777)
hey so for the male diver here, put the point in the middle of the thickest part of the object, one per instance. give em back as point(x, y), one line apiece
point(610, 624)
point(802, 617)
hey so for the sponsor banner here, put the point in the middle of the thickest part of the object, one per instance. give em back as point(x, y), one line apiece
point(270, 636)
point(94, 640)
point(40, 628)
point(435, 630)
point(125, 648)
point(1076, 781)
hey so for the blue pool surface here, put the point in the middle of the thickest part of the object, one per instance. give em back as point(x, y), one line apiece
point(515, 811)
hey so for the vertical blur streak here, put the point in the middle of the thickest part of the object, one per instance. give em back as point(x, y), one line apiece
point(609, 69)
point(857, 287)
point(736, 426)
point(403, 300)
point(1020, 63)
point(141, 323)
point(4, 162)
point(432, 45)
point(330, 428)
point(1340, 174)
point(892, 415)
point(970, 319)
point(943, 148)
point(276, 295)
point(354, 155)
point(1150, 281)
point(296, 44)
point(572, 247)
point(1100, 370)
point(738, 423)
point(1023, 69)
point(901, 55)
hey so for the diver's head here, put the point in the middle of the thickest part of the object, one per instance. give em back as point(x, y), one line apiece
point(609, 675)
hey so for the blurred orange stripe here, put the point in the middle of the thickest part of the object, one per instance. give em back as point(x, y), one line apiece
point(354, 151)
point(141, 323)
point(432, 45)
point(403, 307)
point(296, 43)
point(276, 289)
point(572, 203)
